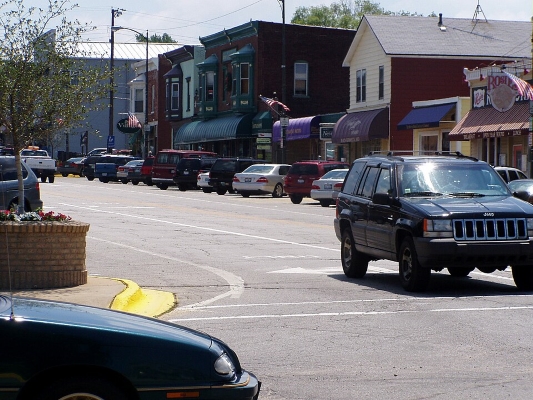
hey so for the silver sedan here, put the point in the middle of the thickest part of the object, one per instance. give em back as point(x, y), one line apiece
point(261, 179)
point(327, 187)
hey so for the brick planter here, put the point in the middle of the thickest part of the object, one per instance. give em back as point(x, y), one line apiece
point(43, 255)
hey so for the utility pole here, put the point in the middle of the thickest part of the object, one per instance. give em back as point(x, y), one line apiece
point(114, 14)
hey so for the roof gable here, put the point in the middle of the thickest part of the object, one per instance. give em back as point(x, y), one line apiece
point(461, 38)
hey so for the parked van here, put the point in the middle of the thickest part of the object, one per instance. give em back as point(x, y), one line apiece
point(164, 168)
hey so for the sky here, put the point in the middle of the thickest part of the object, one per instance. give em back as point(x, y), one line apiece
point(187, 20)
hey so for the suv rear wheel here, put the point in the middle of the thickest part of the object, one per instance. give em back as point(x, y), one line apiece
point(354, 263)
point(413, 276)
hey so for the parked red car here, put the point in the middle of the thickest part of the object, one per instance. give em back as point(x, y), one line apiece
point(299, 179)
point(146, 171)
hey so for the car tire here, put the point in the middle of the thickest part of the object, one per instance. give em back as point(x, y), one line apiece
point(296, 199)
point(459, 272)
point(207, 190)
point(86, 387)
point(124, 181)
point(413, 276)
point(90, 178)
point(43, 178)
point(523, 277)
point(51, 179)
point(162, 186)
point(354, 263)
point(245, 194)
point(278, 191)
point(64, 175)
point(182, 187)
point(134, 182)
point(221, 192)
point(325, 203)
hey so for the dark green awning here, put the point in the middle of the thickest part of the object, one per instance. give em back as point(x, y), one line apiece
point(226, 128)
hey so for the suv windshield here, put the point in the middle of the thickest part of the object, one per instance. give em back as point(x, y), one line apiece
point(304, 169)
point(426, 179)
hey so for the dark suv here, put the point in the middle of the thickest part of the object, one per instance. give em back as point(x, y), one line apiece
point(430, 213)
point(188, 169)
point(222, 171)
point(299, 179)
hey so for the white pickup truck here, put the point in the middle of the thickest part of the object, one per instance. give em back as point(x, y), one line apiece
point(40, 163)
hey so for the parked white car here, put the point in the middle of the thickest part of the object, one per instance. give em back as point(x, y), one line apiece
point(261, 179)
point(328, 186)
point(203, 182)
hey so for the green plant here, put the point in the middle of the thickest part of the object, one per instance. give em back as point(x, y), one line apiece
point(39, 215)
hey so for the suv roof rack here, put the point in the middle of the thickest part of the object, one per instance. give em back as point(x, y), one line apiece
point(399, 153)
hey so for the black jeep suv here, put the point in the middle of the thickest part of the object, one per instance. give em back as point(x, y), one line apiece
point(430, 213)
point(187, 171)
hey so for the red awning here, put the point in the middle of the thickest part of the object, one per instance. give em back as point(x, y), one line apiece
point(489, 122)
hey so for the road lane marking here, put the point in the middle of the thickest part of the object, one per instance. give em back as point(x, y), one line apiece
point(203, 228)
point(235, 283)
point(353, 313)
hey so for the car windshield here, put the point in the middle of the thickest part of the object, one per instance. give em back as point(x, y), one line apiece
point(439, 179)
point(335, 174)
point(258, 169)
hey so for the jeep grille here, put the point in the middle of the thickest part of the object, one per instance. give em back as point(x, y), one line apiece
point(490, 229)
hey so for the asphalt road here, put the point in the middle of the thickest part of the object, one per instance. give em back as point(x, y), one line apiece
point(264, 275)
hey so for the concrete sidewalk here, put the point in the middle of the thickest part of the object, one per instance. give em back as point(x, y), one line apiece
point(117, 294)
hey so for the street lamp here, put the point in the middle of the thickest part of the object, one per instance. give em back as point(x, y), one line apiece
point(283, 83)
point(144, 145)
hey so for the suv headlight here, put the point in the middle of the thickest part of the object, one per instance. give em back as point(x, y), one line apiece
point(438, 228)
point(224, 365)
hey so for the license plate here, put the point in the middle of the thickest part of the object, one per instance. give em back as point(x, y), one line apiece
point(185, 172)
point(301, 180)
point(104, 173)
point(247, 179)
point(327, 186)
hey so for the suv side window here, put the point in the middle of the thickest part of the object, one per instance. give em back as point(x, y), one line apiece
point(369, 178)
point(384, 183)
point(353, 177)
point(283, 170)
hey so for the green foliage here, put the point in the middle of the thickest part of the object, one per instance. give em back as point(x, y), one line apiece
point(44, 85)
point(155, 38)
point(345, 14)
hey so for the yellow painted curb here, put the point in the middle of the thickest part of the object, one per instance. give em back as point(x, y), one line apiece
point(147, 302)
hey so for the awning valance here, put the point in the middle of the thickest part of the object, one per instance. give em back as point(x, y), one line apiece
point(425, 117)
point(226, 128)
point(362, 126)
point(262, 122)
point(299, 128)
point(488, 122)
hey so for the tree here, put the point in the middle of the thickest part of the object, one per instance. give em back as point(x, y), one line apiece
point(155, 38)
point(344, 14)
point(44, 86)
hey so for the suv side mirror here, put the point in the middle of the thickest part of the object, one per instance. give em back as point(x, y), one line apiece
point(522, 195)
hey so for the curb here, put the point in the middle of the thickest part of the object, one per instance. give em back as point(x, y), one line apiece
point(146, 302)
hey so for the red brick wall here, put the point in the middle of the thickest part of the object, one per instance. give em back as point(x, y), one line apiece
point(419, 79)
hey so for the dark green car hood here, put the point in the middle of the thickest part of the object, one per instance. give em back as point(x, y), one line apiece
point(84, 317)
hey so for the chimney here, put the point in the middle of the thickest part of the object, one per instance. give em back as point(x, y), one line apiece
point(440, 19)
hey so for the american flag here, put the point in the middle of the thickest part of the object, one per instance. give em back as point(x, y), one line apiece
point(524, 88)
point(271, 103)
point(133, 122)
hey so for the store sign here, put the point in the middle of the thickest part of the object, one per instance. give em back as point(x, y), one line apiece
point(263, 140)
point(502, 91)
point(326, 133)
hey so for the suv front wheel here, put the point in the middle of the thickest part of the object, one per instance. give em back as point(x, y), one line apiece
point(354, 263)
point(413, 276)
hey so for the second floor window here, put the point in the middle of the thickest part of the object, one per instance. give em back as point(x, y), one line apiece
point(175, 96)
point(381, 88)
point(139, 101)
point(209, 86)
point(361, 85)
point(300, 79)
point(245, 78)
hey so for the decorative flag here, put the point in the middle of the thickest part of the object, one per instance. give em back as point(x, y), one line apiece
point(524, 88)
point(133, 122)
point(271, 103)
